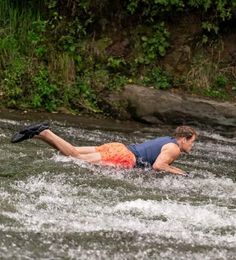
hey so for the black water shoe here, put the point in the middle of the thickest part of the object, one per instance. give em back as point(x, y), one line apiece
point(29, 132)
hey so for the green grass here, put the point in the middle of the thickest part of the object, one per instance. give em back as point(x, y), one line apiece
point(15, 25)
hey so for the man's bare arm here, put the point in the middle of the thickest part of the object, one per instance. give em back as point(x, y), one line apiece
point(169, 153)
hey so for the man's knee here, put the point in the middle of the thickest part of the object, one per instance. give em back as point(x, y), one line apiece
point(91, 157)
point(74, 152)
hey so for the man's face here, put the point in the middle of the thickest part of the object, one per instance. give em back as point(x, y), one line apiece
point(187, 144)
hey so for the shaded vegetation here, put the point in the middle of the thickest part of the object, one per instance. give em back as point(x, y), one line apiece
point(68, 54)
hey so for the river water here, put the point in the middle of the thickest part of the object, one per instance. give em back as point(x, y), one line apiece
point(55, 207)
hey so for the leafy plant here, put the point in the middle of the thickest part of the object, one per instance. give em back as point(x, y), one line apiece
point(55, 52)
point(37, 37)
point(117, 82)
point(12, 82)
point(155, 44)
point(210, 27)
point(68, 43)
point(221, 81)
point(158, 79)
point(215, 93)
point(115, 63)
point(82, 96)
point(45, 93)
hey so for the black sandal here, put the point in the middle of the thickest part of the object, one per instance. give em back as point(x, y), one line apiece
point(29, 132)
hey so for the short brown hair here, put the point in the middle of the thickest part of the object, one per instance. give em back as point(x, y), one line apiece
point(184, 131)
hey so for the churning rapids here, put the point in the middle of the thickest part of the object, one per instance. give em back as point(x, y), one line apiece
point(55, 207)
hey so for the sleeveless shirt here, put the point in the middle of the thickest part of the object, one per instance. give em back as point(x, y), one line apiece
point(147, 152)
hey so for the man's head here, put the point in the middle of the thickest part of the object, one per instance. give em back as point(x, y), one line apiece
point(185, 136)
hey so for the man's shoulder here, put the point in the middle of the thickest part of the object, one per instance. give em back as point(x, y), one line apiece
point(171, 147)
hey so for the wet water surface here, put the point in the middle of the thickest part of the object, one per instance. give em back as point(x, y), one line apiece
point(54, 207)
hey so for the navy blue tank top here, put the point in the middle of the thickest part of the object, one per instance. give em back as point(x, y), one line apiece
point(147, 152)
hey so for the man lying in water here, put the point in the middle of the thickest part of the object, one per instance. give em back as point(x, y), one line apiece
point(160, 152)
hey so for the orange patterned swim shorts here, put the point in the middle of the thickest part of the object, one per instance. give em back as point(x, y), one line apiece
point(116, 154)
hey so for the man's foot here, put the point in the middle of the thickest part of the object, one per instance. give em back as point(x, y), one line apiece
point(29, 132)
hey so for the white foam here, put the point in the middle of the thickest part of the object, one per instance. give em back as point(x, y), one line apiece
point(207, 216)
point(209, 185)
point(217, 137)
point(53, 206)
point(8, 121)
point(215, 148)
point(196, 212)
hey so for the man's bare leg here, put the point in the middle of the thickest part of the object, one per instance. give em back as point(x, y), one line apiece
point(88, 154)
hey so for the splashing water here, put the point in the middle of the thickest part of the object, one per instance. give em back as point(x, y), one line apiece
point(58, 207)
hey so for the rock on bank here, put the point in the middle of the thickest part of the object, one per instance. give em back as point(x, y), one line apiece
point(157, 106)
